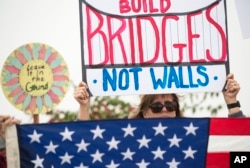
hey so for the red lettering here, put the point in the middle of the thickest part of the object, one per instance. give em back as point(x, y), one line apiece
point(125, 40)
point(92, 33)
point(124, 6)
point(152, 9)
point(144, 6)
point(132, 43)
point(192, 36)
point(164, 36)
point(113, 36)
point(180, 48)
point(222, 35)
point(157, 39)
point(133, 6)
point(165, 5)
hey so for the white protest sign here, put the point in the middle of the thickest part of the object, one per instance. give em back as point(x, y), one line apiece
point(153, 46)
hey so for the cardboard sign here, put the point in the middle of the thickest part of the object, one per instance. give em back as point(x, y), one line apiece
point(35, 78)
point(153, 46)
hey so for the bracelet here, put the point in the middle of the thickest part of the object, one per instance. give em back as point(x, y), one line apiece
point(233, 105)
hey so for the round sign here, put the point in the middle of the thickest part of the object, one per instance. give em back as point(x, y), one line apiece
point(35, 78)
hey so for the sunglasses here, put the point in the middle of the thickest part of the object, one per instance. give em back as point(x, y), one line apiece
point(158, 106)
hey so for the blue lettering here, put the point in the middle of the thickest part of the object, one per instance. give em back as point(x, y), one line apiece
point(190, 77)
point(173, 78)
point(123, 74)
point(123, 80)
point(136, 76)
point(107, 79)
point(159, 82)
point(201, 70)
point(181, 78)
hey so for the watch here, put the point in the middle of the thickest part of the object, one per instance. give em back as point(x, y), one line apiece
point(233, 105)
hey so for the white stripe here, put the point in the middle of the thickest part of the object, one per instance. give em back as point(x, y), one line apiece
point(12, 150)
point(229, 143)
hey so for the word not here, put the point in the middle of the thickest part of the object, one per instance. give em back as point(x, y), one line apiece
point(172, 77)
point(130, 31)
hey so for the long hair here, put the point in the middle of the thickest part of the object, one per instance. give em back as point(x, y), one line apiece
point(146, 100)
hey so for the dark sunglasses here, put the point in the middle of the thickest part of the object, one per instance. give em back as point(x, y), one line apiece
point(157, 106)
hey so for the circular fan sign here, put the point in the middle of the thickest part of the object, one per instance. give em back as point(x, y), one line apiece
point(35, 78)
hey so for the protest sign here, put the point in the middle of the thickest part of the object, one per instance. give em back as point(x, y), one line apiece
point(150, 47)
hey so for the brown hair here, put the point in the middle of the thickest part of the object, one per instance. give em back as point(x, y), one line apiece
point(146, 100)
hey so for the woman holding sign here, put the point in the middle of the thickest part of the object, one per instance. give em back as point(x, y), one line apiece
point(162, 105)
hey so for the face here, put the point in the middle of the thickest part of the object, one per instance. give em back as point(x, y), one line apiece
point(164, 112)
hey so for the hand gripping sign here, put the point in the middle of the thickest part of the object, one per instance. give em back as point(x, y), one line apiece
point(153, 46)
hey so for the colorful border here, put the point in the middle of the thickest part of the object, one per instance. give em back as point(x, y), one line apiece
point(35, 78)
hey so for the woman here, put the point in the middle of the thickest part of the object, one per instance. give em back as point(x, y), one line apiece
point(162, 105)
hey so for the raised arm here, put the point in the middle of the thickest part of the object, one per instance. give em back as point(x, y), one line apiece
point(232, 89)
point(82, 97)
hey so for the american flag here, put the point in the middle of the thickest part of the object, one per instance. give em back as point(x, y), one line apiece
point(139, 143)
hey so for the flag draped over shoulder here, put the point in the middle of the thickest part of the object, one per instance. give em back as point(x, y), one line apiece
point(146, 143)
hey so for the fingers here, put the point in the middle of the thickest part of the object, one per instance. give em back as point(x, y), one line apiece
point(6, 121)
point(232, 84)
point(81, 92)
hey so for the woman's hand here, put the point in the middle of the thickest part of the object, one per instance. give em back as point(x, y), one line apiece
point(232, 88)
point(82, 97)
point(6, 121)
point(81, 94)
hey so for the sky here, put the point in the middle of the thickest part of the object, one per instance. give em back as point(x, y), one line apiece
point(56, 22)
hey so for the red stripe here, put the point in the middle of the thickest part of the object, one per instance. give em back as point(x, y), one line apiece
point(218, 160)
point(230, 126)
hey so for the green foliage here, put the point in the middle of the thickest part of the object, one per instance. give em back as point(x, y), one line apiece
point(196, 102)
point(101, 107)
point(107, 107)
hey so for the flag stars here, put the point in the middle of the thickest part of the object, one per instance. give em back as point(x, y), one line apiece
point(67, 134)
point(38, 162)
point(51, 147)
point(158, 153)
point(143, 142)
point(97, 156)
point(129, 130)
point(81, 166)
point(160, 129)
point(174, 141)
point(35, 137)
point(191, 129)
point(112, 165)
point(128, 154)
point(82, 146)
point(66, 158)
point(113, 144)
point(189, 153)
point(97, 132)
point(173, 163)
point(142, 164)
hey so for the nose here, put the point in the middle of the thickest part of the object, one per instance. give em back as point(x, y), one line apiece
point(164, 109)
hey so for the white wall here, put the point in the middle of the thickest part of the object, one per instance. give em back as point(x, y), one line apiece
point(56, 23)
